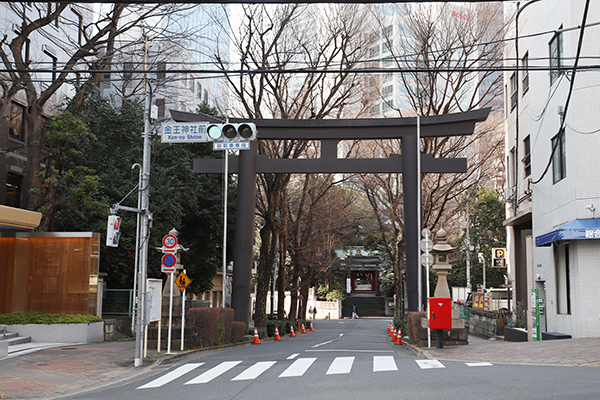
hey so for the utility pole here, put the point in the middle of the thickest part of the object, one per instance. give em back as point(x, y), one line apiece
point(145, 220)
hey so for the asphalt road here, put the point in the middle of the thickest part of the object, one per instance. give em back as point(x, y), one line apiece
point(350, 359)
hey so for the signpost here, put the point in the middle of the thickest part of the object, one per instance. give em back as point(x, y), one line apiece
point(535, 317)
point(427, 261)
point(184, 132)
point(170, 243)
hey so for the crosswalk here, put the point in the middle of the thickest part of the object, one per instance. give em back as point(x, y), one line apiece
point(298, 367)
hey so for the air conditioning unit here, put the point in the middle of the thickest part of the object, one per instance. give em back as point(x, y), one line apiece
point(509, 193)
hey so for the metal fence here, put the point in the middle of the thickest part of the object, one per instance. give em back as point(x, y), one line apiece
point(464, 313)
point(117, 301)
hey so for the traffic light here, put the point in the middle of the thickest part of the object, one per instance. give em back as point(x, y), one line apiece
point(113, 231)
point(231, 132)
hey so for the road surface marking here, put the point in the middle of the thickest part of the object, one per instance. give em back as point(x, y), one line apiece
point(293, 356)
point(298, 368)
point(429, 364)
point(341, 365)
point(321, 344)
point(479, 364)
point(171, 376)
point(254, 371)
point(384, 363)
point(213, 373)
point(352, 351)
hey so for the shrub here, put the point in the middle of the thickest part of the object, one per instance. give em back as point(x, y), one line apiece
point(238, 331)
point(212, 326)
point(401, 322)
point(34, 317)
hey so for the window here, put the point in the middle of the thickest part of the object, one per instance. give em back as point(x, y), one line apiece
point(160, 104)
point(54, 60)
point(199, 91)
point(206, 95)
point(387, 31)
point(388, 76)
point(385, 47)
point(513, 91)
point(387, 91)
point(559, 157)
point(556, 54)
point(388, 105)
point(525, 68)
point(13, 189)
point(563, 279)
point(16, 120)
point(79, 27)
point(127, 68)
point(374, 51)
point(527, 158)
point(161, 68)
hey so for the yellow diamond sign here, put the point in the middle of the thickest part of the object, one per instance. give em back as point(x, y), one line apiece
point(182, 281)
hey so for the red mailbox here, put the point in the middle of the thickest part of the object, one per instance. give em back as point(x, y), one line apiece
point(439, 314)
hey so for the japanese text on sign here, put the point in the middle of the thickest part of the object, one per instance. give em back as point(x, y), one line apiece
point(184, 132)
point(592, 233)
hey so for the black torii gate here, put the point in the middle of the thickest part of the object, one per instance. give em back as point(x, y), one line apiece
point(330, 132)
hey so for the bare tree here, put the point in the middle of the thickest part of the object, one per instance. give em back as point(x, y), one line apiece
point(87, 44)
point(286, 37)
point(443, 42)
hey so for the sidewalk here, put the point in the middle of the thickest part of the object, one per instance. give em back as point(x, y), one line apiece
point(59, 372)
point(580, 352)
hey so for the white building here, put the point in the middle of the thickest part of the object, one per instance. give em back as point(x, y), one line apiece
point(552, 147)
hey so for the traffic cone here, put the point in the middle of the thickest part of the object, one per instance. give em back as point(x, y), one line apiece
point(311, 328)
point(277, 337)
point(393, 335)
point(389, 328)
point(399, 336)
point(303, 330)
point(256, 338)
point(292, 334)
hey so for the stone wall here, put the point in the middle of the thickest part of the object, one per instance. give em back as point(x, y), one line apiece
point(483, 323)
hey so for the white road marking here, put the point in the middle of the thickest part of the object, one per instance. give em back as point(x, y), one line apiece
point(429, 364)
point(293, 356)
point(298, 368)
point(341, 365)
point(350, 351)
point(384, 363)
point(213, 373)
point(479, 364)
point(321, 344)
point(171, 376)
point(254, 371)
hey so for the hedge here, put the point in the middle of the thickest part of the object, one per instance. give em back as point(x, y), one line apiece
point(215, 327)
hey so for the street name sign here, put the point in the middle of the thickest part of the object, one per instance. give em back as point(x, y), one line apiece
point(184, 132)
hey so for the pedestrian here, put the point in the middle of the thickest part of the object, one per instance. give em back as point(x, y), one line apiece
point(315, 312)
point(310, 312)
point(354, 314)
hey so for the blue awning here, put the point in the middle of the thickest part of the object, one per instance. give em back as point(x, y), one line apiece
point(575, 230)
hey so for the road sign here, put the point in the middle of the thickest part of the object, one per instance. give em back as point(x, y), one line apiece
point(168, 263)
point(182, 281)
point(426, 260)
point(498, 257)
point(426, 245)
point(169, 242)
point(231, 145)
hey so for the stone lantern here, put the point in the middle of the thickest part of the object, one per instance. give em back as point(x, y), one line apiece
point(442, 265)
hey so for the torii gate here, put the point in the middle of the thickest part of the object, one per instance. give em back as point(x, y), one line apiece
point(330, 132)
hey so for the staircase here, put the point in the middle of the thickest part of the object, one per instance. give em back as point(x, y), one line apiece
point(366, 305)
point(11, 339)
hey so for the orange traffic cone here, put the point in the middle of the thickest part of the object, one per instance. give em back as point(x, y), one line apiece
point(389, 329)
point(277, 337)
point(299, 327)
point(256, 338)
point(292, 334)
point(399, 336)
point(393, 335)
point(311, 328)
point(303, 330)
